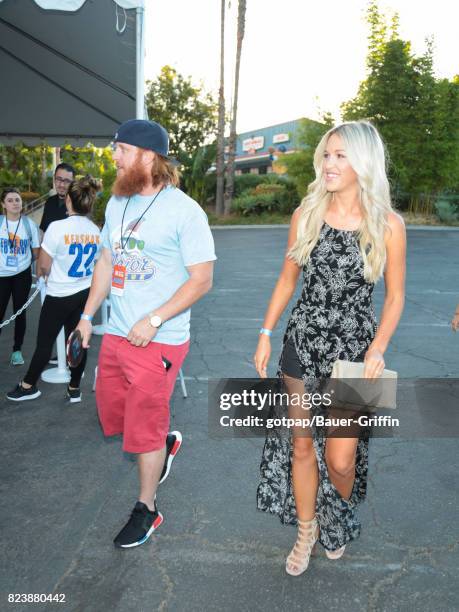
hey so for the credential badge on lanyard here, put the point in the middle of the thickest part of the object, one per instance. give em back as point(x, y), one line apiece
point(118, 279)
point(12, 262)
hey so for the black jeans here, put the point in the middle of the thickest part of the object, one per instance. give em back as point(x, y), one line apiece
point(17, 286)
point(55, 313)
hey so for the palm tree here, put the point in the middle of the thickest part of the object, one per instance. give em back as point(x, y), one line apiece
point(220, 171)
point(242, 5)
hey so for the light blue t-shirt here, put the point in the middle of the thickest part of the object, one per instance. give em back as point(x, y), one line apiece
point(172, 234)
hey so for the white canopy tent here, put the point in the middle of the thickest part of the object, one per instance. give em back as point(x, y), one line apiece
point(72, 70)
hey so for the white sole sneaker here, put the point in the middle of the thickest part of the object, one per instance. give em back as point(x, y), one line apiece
point(74, 400)
point(158, 521)
point(175, 449)
point(24, 398)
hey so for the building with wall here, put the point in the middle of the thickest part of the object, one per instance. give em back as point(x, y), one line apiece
point(260, 151)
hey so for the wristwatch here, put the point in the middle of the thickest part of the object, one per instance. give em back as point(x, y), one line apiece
point(155, 321)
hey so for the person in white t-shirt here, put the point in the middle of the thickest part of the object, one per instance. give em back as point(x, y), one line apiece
point(19, 244)
point(69, 250)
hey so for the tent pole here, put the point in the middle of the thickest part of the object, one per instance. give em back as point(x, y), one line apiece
point(140, 54)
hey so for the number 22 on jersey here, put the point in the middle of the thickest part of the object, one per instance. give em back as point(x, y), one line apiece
point(81, 265)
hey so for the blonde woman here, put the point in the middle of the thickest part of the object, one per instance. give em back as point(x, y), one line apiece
point(344, 236)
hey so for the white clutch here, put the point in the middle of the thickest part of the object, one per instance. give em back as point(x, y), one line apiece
point(352, 389)
point(355, 369)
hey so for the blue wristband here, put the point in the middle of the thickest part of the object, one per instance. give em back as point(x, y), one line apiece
point(266, 332)
point(85, 317)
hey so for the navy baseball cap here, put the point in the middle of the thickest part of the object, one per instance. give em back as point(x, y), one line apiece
point(145, 134)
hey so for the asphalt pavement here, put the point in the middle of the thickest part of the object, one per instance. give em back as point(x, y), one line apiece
point(66, 491)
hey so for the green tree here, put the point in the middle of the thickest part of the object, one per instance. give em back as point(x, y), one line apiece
point(446, 132)
point(88, 160)
point(415, 113)
point(186, 111)
point(202, 161)
point(25, 167)
point(300, 167)
point(30, 168)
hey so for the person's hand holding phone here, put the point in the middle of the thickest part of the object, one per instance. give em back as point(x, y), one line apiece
point(85, 328)
point(75, 348)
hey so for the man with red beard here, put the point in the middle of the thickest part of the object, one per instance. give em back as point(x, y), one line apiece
point(156, 261)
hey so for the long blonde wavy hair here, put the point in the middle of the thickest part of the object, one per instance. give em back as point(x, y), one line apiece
point(366, 154)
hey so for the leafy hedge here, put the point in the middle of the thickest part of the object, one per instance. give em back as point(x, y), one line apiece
point(447, 209)
point(265, 193)
point(245, 182)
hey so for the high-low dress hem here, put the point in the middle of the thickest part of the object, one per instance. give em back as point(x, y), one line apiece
point(333, 319)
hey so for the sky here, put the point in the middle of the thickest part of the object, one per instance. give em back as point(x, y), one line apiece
point(299, 57)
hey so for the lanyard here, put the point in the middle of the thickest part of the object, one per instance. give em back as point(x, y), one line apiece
point(138, 221)
point(13, 241)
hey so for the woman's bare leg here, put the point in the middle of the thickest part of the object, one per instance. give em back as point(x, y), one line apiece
point(305, 477)
point(305, 480)
point(340, 458)
point(305, 473)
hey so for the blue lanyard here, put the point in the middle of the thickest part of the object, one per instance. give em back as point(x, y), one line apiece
point(13, 241)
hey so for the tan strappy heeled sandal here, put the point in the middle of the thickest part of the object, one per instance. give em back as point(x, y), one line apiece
point(298, 559)
point(335, 554)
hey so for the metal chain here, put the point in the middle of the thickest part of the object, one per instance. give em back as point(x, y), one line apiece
point(21, 310)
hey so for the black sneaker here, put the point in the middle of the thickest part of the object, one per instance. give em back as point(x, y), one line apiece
point(53, 360)
point(139, 527)
point(173, 444)
point(74, 395)
point(19, 394)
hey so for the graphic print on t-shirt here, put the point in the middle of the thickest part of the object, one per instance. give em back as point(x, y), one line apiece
point(139, 266)
point(166, 240)
point(15, 245)
point(73, 245)
point(20, 245)
point(83, 247)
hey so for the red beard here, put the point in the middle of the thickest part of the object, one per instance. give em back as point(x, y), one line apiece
point(132, 180)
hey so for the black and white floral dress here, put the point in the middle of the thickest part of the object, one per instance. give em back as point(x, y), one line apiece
point(333, 319)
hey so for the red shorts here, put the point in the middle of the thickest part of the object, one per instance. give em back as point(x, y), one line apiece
point(133, 390)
